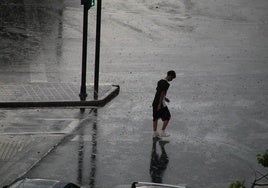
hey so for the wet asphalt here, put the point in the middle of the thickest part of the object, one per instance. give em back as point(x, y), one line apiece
point(218, 100)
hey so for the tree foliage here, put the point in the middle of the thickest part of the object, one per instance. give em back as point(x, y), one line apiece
point(263, 159)
point(237, 184)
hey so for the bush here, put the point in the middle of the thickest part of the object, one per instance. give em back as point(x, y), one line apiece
point(237, 184)
point(263, 159)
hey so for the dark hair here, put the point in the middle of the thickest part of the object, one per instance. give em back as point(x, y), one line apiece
point(171, 73)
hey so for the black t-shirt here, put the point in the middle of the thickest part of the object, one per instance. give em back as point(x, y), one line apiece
point(162, 85)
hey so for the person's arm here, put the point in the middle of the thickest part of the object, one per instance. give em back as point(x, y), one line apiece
point(162, 95)
point(167, 99)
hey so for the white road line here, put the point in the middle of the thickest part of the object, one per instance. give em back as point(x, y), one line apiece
point(71, 126)
point(85, 138)
point(67, 130)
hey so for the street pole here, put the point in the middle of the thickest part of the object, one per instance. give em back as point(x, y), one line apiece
point(83, 92)
point(97, 50)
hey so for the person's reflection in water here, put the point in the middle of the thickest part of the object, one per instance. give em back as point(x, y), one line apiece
point(158, 163)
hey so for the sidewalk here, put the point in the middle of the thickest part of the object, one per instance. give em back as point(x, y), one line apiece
point(53, 95)
point(19, 153)
point(21, 150)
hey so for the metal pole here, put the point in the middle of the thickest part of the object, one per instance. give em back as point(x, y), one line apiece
point(83, 92)
point(97, 50)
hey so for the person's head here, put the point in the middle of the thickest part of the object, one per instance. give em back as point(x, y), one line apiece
point(171, 75)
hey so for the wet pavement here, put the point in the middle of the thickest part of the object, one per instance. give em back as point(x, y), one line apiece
point(218, 100)
point(30, 95)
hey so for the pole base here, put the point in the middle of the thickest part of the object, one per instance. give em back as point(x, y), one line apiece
point(83, 96)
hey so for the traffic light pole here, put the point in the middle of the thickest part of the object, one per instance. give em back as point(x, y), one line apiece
point(83, 92)
point(97, 50)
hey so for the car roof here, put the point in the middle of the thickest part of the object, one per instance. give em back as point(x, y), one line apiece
point(41, 183)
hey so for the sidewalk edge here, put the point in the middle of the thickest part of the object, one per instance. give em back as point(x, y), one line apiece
point(92, 103)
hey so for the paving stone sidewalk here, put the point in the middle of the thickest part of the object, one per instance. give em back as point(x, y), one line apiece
point(53, 94)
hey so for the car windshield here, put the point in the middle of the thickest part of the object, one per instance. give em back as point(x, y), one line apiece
point(34, 184)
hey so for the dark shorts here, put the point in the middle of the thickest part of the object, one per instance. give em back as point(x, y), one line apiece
point(163, 113)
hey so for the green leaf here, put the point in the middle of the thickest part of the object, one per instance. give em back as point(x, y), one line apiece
point(263, 159)
point(237, 184)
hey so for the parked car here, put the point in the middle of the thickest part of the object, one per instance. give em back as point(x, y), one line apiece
point(155, 185)
point(41, 183)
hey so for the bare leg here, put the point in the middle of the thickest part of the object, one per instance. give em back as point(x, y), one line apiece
point(165, 124)
point(155, 125)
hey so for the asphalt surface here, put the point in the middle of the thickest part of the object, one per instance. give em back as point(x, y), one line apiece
point(218, 100)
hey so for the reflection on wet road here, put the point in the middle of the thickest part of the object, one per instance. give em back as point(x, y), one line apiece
point(75, 158)
point(81, 179)
point(158, 162)
point(94, 150)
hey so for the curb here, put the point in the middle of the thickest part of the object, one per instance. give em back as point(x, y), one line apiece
point(92, 103)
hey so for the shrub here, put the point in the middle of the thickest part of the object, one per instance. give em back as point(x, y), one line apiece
point(263, 159)
point(237, 184)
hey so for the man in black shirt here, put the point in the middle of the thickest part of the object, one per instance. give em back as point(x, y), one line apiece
point(160, 109)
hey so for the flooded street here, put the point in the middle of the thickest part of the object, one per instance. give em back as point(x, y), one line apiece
point(218, 100)
point(39, 40)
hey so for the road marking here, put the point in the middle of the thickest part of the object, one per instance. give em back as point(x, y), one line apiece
point(8, 149)
point(70, 127)
point(85, 138)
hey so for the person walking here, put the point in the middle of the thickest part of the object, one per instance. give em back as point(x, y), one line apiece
point(160, 109)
